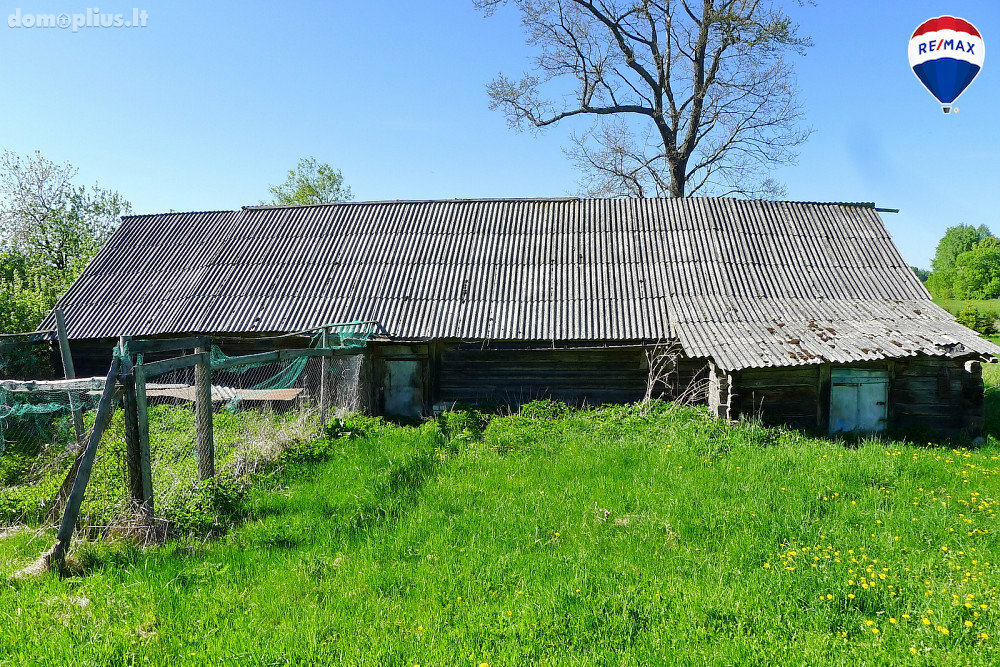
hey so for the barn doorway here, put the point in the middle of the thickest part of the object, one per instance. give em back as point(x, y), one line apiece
point(859, 400)
point(403, 389)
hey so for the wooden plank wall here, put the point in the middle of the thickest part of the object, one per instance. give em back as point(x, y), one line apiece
point(937, 394)
point(470, 373)
point(932, 394)
point(785, 395)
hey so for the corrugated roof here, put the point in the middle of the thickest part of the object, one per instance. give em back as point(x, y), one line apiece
point(747, 283)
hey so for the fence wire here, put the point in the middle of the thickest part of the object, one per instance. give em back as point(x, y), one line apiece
point(258, 411)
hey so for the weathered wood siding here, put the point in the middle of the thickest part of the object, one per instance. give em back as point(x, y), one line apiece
point(937, 394)
point(933, 394)
point(92, 356)
point(786, 395)
point(472, 373)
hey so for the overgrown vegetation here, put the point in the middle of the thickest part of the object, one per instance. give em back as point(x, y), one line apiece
point(50, 227)
point(630, 534)
point(249, 445)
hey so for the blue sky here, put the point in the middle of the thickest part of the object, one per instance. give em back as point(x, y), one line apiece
point(209, 104)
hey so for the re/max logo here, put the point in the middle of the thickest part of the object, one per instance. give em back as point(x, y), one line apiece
point(942, 44)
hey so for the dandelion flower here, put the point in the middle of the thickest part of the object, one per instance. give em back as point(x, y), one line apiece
point(925, 621)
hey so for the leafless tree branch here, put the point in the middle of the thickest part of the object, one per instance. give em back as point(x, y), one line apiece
point(686, 96)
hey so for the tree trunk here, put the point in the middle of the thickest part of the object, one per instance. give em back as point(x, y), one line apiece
point(678, 176)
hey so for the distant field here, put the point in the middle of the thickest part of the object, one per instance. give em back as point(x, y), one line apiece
point(613, 536)
point(953, 306)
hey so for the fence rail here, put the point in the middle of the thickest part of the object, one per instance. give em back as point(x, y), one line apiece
point(130, 379)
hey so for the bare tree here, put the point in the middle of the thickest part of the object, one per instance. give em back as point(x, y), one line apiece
point(687, 97)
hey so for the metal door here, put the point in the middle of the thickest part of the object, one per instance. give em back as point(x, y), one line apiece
point(858, 399)
point(403, 389)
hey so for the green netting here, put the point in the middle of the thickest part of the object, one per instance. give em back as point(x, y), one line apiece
point(343, 336)
point(28, 415)
point(259, 407)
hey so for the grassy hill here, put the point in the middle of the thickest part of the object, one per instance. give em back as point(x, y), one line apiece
point(614, 536)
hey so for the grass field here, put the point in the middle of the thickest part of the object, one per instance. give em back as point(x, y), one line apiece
point(953, 306)
point(615, 536)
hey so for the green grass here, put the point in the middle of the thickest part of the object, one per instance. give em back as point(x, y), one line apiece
point(611, 536)
point(31, 470)
point(953, 306)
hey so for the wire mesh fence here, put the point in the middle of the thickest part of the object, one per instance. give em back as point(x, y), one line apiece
point(163, 433)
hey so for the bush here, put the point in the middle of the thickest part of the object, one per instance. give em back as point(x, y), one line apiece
point(463, 422)
point(356, 425)
point(545, 408)
point(983, 321)
point(209, 507)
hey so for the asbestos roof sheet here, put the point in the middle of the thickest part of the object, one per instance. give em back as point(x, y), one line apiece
point(746, 283)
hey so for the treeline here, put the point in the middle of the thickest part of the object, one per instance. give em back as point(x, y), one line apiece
point(966, 265)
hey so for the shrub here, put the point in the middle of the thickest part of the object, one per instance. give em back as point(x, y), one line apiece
point(545, 408)
point(978, 319)
point(356, 425)
point(463, 422)
point(210, 507)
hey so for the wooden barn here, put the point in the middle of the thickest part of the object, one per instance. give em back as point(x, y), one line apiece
point(803, 313)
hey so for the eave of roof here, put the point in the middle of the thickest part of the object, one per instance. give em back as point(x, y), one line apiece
point(718, 274)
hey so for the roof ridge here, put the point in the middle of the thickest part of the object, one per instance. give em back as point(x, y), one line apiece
point(452, 200)
point(158, 215)
point(464, 200)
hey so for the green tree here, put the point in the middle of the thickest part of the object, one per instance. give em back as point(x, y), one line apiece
point(956, 240)
point(311, 182)
point(50, 228)
point(977, 271)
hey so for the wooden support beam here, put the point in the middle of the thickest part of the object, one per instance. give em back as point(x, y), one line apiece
point(203, 413)
point(132, 443)
point(142, 423)
point(262, 358)
point(69, 372)
point(311, 352)
point(136, 439)
point(57, 555)
point(324, 383)
point(271, 357)
point(160, 367)
point(168, 344)
point(79, 384)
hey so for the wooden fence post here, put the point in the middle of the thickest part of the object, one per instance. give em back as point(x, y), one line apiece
point(137, 433)
point(142, 424)
point(203, 414)
point(131, 425)
point(324, 383)
point(68, 372)
point(57, 555)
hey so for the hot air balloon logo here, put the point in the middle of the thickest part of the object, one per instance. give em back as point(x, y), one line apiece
point(946, 54)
